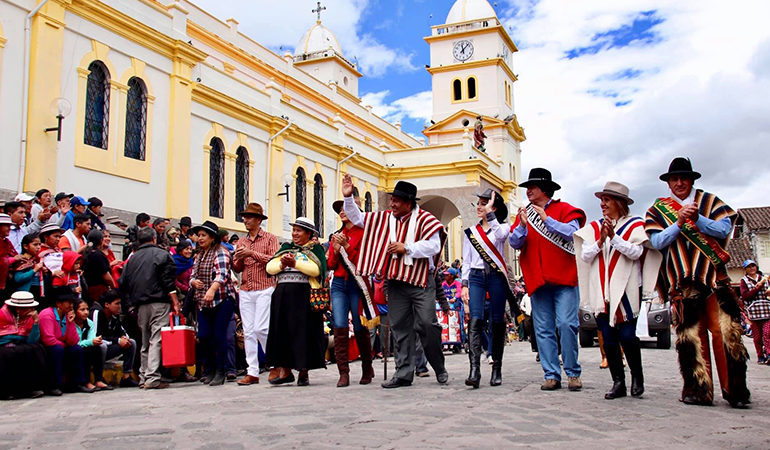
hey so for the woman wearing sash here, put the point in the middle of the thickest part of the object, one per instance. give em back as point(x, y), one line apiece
point(294, 339)
point(484, 272)
point(345, 297)
point(617, 266)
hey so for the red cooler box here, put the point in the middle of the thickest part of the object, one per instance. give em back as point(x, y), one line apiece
point(178, 344)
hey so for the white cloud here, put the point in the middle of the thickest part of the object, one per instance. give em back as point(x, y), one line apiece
point(702, 92)
point(281, 24)
point(418, 106)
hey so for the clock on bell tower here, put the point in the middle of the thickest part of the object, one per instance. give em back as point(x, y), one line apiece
point(471, 63)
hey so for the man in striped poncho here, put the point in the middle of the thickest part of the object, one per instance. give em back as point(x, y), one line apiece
point(691, 228)
point(401, 245)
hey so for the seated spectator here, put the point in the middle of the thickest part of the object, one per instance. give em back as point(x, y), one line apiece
point(27, 271)
point(44, 203)
point(22, 358)
point(75, 238)
point(94, 212)
point(26, 199)
point(91, 344)
point(115, 340)
point(19, 228)
point(142, 221)
point(69, 275)
point(116, 265)
point(173, 238)
point(59, 334)
point(159, 225)
point(183, 260)
point(185, 223)
point(8, 254)
point(78, 205)
point(96, 268)
point(62, 202)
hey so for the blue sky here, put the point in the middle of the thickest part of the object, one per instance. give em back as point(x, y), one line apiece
point(606, 90)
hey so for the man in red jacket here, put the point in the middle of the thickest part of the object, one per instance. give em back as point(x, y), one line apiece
point(543, 232)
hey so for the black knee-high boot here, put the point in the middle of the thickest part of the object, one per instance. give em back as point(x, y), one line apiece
point(615, 361)
point(474, 352)
point(633, 353)
point(498, 347)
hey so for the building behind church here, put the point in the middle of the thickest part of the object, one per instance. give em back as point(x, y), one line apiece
point(170, 111)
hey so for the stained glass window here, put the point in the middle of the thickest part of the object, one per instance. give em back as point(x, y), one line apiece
point(97, 106)
point(241, 181)
point(318, 203)
point(300, 197)
point(217, 178)
point(368, 202)
point(136, 119)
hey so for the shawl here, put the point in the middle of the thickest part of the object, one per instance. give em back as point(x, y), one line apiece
point(7, 252)
point(314, 253)
point(611, 274)
point(682, 259)
point(182, 264)
point(9, 325)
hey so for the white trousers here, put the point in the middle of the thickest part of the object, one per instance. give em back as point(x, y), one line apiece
point(255, 314)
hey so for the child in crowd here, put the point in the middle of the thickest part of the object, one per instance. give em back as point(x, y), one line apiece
point(69, 276)
point(105, 315)
point(27, 271)
point(452, 287)
point(91, 344)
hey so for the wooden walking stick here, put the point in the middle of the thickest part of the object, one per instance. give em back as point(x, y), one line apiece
point(386, 333)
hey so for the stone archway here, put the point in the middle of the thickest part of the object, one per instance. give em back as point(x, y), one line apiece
point(441, 207)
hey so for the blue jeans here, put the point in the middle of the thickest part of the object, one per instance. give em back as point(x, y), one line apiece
point(556, 307)
point(624, 332)
point(479, 283)
point(345, 296)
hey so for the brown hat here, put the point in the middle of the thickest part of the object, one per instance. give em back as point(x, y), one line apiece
point(617, 190)
point(253, 209)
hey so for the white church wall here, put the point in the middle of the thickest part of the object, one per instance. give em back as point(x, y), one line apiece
point(11, 79)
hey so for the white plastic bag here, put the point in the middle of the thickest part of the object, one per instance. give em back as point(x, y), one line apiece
point(642, 329)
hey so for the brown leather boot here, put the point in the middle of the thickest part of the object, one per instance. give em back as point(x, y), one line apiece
point(341, 338)
point(364, 341)
point(274, 372)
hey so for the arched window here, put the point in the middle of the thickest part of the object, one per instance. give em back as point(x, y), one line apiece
point(136, 119)
point(471, 88)
point(457, 89)
point(97, 106)
point(368, 202)
point(241, 181)
point(318, 203)
point(300, 196)
point(217, 178)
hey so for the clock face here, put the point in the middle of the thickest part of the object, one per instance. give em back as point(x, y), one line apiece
point(463, 50)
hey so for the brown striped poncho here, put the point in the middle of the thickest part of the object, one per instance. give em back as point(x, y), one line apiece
point(682, 260)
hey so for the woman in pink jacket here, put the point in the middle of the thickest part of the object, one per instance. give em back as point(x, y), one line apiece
point(60, 337)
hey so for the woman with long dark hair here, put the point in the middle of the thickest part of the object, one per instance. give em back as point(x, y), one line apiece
point(294, 339)
point(96, 268)
point(215, 297)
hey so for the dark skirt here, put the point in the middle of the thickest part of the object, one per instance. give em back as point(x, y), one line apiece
point(295, 336)
point(22, 370)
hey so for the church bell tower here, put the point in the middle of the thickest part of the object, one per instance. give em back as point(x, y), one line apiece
point(471, 62)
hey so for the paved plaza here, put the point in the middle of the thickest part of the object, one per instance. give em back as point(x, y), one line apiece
point(424, 415)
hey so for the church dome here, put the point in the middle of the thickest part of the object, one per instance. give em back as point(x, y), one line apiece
point(318, 38)
point(467, 10)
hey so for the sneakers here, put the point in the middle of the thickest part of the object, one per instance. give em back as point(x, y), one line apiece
point(575, 384)
point(550, 385)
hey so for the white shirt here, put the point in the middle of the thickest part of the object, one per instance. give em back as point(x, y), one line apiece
point(471, 258)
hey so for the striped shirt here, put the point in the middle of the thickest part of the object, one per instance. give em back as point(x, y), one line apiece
point(255, 278)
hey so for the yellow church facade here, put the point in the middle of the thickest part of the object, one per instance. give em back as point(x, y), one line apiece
point(168, 110)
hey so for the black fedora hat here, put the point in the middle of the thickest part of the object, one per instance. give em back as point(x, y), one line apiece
point(542, 178)
point(209, 227)
point(405, 190)
point(501, 210)
point(680, 166)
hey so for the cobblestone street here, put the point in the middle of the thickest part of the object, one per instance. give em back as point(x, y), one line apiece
point(423, 415)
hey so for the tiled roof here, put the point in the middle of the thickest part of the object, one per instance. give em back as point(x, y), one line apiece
point(757, 218)
point(739, 250)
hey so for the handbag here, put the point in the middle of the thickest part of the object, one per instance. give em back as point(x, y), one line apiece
point(759, 310)
point(642, 327)
point(319, 299)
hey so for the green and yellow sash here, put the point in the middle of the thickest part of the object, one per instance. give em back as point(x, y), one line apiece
point(669, 209)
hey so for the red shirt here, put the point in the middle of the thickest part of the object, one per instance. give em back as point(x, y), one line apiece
point(255, 277)
point(7, 253)
point(333, 260)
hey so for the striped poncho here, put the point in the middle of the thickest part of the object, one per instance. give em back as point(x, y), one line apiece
point(373, 258)
point(682, 259)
